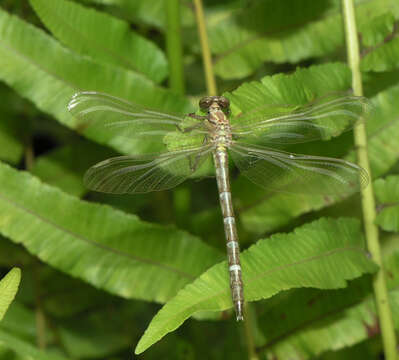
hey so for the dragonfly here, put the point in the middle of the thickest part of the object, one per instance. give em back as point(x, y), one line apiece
point(253, 139)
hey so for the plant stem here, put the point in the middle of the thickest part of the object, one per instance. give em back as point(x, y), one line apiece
point(249, 332)
point(368, 203)
point(39, 312)
point(174, 47)
point(206, 53)
point(29, 155)
point(176, 83)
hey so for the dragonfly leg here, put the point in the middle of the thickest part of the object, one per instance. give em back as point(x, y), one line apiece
point(190, 128)
point(198, 117)
point(193, 127)
point(194, 164)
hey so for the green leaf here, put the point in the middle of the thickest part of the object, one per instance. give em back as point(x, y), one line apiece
point(297, 314)
point(377, 29)
point(101, 36)
point(70, 297)
point(78, 312)
point(387, 193)
point(151, 12)
point(382, 132)
point(306, 322)
point(380, 35)
point(268, 31)
point(298, 88)
point(7, 354)
point(105, 247)
point(46, 73)
point(11, 126)
point(383, 58)
point(65, 166)
point(23, 348)
point(368, 349)
point(84, 335)
point(341, 329)
point(21, 321)
point(324, 254)
point(261, 211)
point(8, 288)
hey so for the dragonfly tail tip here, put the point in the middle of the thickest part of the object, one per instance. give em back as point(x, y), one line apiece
point(239, 306)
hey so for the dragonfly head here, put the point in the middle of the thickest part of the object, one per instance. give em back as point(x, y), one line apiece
point(213, 103)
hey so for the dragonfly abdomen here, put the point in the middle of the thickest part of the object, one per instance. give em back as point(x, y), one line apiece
point(233, 250)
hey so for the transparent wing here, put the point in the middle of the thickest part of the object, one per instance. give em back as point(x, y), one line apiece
point(323, 118)
point(96, 111)
point(282, 171)
point(140, 174)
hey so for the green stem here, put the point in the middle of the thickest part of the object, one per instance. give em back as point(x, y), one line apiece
point(368, 203)
point(29, 155)
point(176, 82)
point(174, 47)
point(39, 312)
point(206, 53)
point(249, 330)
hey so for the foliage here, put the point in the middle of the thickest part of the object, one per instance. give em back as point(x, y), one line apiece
point(243, 40)
point(269, 268)
point(100, 251)
point(387, 192)
point(8, 288)
point(102, 37)
point(279, 209)
point(97, 268)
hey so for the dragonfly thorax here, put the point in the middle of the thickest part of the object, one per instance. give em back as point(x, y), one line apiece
point(221, 130)
point(217, 108)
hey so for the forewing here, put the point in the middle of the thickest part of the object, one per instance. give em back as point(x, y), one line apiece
point(112, 116)
point(282, 171)
point(141, 174)
point(323, 118)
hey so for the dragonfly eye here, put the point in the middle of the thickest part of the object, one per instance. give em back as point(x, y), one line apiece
point(223, 102)
point(205, 103)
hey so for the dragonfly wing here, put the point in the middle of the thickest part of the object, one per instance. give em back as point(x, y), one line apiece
point(282, 171)
point(113, 116)
point(141, 174)
point(323, 118)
